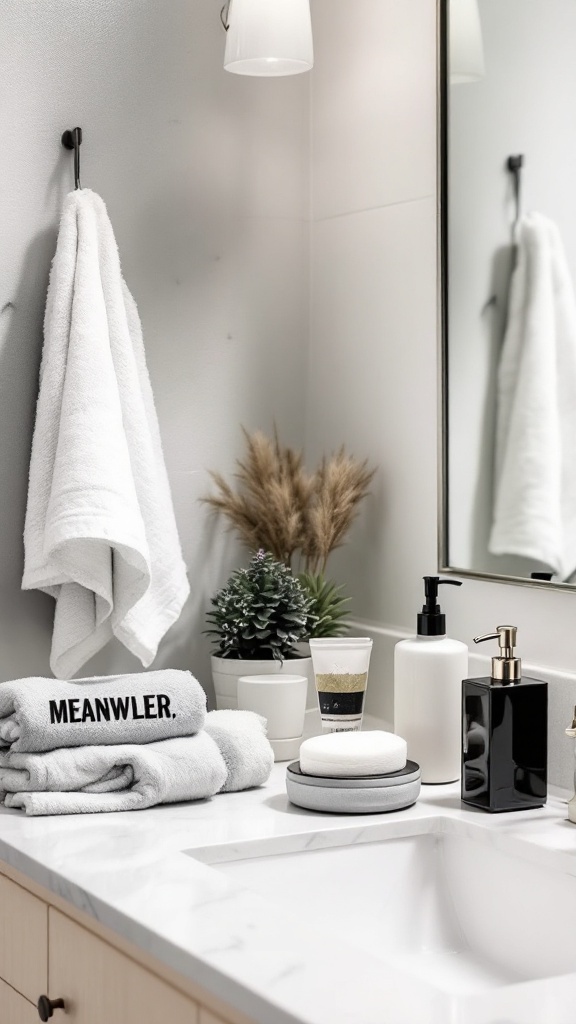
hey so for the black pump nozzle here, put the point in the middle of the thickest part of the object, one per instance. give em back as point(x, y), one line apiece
point(432, 621)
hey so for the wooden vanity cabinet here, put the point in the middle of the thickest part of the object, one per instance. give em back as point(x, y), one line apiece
point(23, 940)
point(45, 951)
point(14, 1008)
point(100, 984)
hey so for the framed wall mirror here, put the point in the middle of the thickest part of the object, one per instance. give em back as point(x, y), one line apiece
point(508, 271)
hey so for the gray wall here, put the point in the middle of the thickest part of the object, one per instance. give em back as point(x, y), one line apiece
point(206, 180)
point(205, 176)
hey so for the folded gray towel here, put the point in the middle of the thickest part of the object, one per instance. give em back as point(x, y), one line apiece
point(124, 778)
point(241, 737)
point(44, 714)
point(84, 780)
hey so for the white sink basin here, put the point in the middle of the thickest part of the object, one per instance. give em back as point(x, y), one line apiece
point(461, 912)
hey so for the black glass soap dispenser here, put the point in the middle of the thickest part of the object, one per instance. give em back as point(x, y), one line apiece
point(504, 733)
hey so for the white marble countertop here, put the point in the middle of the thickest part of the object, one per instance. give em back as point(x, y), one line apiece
point(130, 872)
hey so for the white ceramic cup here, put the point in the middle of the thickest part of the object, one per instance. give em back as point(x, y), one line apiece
point(281, 700)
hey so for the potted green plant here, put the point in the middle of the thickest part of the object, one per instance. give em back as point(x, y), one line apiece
point(256, 621)
point(300, 517)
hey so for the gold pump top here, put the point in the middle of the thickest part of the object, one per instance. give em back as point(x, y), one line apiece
point(506, 668)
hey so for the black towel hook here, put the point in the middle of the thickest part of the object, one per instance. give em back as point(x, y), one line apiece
point(514, 164)
point(72, 139)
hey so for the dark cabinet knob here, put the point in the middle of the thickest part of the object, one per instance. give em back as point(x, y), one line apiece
point(47, 1006)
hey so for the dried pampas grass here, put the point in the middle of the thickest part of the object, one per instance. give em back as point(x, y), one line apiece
point(278, 506)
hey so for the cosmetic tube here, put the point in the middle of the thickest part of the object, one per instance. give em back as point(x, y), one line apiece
point(341, 674)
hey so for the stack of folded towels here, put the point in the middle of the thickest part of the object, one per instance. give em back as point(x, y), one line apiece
point(121, 743)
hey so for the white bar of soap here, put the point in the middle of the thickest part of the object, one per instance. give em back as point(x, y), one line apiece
point(345, 755)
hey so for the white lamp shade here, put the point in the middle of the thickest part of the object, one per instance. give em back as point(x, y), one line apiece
point(269, 37)
point(466, 46)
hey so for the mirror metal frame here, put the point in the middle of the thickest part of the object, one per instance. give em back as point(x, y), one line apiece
point(443, 92)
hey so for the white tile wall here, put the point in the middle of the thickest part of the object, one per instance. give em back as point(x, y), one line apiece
point(205, 175)
point(372, 384)
point(372, 380)
point(373, 113)
point(206, 178)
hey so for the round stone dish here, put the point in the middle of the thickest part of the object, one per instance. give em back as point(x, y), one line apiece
point(368, 794)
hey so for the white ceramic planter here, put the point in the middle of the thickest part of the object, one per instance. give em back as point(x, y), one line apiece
point(227, 671)
point(281, 700)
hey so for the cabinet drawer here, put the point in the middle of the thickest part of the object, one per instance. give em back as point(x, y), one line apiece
point(206, 1017)
point(23, 940)
point(14, 1009)
point(99, 984)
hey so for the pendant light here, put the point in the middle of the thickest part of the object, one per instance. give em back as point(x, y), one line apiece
point(466, 46)
point(268, 37)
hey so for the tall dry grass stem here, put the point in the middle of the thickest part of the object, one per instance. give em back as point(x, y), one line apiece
point(280, 507)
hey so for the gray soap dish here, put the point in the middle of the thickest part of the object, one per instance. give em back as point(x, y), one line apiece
point(369, 794)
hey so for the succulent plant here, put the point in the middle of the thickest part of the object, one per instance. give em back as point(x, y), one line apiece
point(329, 606)
point(261, 612)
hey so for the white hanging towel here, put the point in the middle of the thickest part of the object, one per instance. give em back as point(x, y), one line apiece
point(100, 533)
point(535, 495)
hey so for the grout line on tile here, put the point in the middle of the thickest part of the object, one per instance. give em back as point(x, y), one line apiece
point(371, 209)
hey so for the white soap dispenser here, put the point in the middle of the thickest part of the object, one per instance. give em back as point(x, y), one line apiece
point(428, 674)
